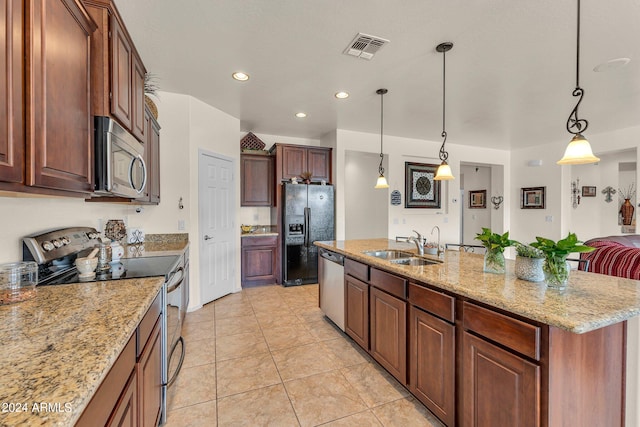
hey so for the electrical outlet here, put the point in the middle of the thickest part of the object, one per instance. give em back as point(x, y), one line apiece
point(181, 224)
point(445, 219)
point(548, 218)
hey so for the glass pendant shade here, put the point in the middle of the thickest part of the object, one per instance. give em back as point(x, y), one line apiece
point(444, 172)
point(382, 182)
point(578, 152)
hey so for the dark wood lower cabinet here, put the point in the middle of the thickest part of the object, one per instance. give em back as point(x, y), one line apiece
point(259, 260)
point(356, 303)
point(432, 363)
point(499, 388)
point(126, 412)
point(388, 323)
point(149, 372)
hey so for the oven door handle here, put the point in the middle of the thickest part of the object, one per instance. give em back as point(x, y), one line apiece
point(172, 287)
point(179, 367)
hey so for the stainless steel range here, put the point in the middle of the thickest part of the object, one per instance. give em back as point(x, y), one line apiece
point(55, 252)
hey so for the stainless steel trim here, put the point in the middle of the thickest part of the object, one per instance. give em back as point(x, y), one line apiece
point(144, 174)
point(307, 220)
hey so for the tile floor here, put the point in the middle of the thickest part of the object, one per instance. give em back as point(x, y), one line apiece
point(268, 357)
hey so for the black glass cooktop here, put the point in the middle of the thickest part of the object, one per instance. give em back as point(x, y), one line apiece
point(127, 268)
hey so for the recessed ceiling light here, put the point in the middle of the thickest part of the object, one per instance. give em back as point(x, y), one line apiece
point(240, 76)
point(301, 115)
point(341, 95)
point(611, 65)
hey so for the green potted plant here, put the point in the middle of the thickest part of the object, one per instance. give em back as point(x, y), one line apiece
point(529, 263)
point(555, 268)
point(495, 244)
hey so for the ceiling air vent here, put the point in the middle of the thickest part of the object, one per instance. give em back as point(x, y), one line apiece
point(365, 46)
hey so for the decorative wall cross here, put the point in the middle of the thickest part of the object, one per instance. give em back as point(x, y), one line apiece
point(609, 191)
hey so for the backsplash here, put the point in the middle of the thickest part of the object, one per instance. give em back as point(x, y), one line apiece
point(167, 238)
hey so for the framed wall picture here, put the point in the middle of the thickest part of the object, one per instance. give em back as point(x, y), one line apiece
point(421, 191)
point(478, 199)
point(588, 191)
point(532, 198)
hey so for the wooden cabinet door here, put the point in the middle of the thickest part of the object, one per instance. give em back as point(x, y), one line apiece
point(388, 328)
point(137, 98)
point(153, 163)
point(432, 363)
point(294, 162)
point(499, 388)
point(59, 120)
point(121, 75)
point(356, 305)
point(12, 148)
point(125, 413)
point(259, 261)
point(319, 164)
point(257, 180)
point(149, 372)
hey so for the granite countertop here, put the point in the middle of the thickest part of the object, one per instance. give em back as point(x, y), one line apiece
point(58, 347)
point(590, 301)
point(158, 245)
point(260, 231)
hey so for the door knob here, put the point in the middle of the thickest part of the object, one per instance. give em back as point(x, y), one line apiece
point(207, 237)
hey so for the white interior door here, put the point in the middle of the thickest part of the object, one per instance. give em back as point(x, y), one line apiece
point(216, 201)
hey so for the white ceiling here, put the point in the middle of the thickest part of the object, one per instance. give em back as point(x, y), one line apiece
point(510, 73)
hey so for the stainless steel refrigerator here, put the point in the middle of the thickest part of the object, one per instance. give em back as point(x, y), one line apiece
point(308, 215)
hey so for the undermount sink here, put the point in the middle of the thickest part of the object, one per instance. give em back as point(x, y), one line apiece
point(415, 261)
point(389, 254)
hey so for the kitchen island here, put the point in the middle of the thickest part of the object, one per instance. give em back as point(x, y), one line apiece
point(58, 347)
point(487, 349)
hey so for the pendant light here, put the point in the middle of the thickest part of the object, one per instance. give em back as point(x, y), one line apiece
point(382, 181)
point(578, 151)
point(444, 170)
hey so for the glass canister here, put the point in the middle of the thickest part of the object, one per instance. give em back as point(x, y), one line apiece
point(18, 281)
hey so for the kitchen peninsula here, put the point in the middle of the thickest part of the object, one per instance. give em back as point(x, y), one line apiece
point(479, 348)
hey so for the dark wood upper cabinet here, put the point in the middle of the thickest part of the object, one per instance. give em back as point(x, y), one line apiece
point(12, 148)
point(319, 164)
point(257, 186)
point(153, 160)
point(293, 160)
point(59, 122)
point(117, 71)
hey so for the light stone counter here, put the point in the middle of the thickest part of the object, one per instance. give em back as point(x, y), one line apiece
point(590, 301)
point(57, 348)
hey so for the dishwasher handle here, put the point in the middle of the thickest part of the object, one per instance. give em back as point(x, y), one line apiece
point(332, 256)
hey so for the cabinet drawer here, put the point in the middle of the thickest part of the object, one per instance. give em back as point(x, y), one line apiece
point(259, 241)
point(432, 301)
point(146, 325)
point(389, 283)
point(515, 334)
point(356, 269)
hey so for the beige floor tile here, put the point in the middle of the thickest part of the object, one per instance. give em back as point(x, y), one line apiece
point(259, 291)
point(199, 353)
point(246, 373)
point(267, 406)
point(361, 419)
point(302, 361)
point(293, 335)
point(198, 331)
point(346, 351)
point(269, 320)
point(309, 314)
point(406, 413)
point(231, 299)
point(324, 330)
point(270, 305)
point(375, 385)
point(240, 345)
point(233, 310)
point(193, 385)
point(323, 397)
point(200, 415)
point(201, 315)
point(237, 325)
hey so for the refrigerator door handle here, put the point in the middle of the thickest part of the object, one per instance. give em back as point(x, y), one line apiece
point(307, 217)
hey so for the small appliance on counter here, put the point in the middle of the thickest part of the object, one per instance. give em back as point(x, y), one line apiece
point(52, 255)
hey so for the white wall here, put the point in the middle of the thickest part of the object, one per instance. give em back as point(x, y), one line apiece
point(400, 150)
point(366, 215)
point(475, 178)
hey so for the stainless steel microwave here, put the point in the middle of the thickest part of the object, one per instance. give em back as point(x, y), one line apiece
point(120, 169)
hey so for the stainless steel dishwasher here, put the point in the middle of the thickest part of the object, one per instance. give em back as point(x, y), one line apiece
point(331, 281)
